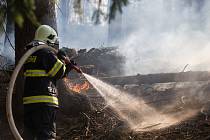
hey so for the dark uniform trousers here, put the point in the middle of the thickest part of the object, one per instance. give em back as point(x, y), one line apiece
point(39, 123)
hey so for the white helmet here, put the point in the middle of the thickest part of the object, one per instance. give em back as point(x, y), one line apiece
point(46, 34)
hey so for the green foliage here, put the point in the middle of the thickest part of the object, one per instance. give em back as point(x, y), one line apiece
point(116, 6)
point(77, 5)
point(3, 6)
point(98, 13)
point(20, 10)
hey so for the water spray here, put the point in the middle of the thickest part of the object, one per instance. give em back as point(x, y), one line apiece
point(133, 110)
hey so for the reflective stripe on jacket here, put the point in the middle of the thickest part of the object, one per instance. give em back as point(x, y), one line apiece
point(41, 71)
point(40, 99)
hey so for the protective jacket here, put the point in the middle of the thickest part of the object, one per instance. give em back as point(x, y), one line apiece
point(41, 70)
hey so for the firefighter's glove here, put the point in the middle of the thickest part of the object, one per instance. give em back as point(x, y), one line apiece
point(73, 62)
point(75, 67)
point(61, 55)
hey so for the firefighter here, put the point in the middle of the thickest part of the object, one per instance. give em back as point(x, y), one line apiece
point(41, 70)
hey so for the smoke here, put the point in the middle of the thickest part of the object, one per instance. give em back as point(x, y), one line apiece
point(81, 36)
point(156, 35)
point(165, 35)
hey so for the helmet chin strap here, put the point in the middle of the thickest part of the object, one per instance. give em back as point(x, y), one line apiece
point(51, 44)
point(54, 45)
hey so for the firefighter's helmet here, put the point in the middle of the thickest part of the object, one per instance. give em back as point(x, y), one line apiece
point(46, 34)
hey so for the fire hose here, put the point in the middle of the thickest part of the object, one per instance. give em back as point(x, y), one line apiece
point(12, 125)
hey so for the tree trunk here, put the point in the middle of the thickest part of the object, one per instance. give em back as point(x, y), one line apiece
point(45, 12)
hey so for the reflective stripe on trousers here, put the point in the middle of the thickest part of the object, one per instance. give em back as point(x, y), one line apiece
point(40, 99)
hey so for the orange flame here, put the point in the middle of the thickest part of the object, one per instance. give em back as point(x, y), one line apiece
point(78, 88)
